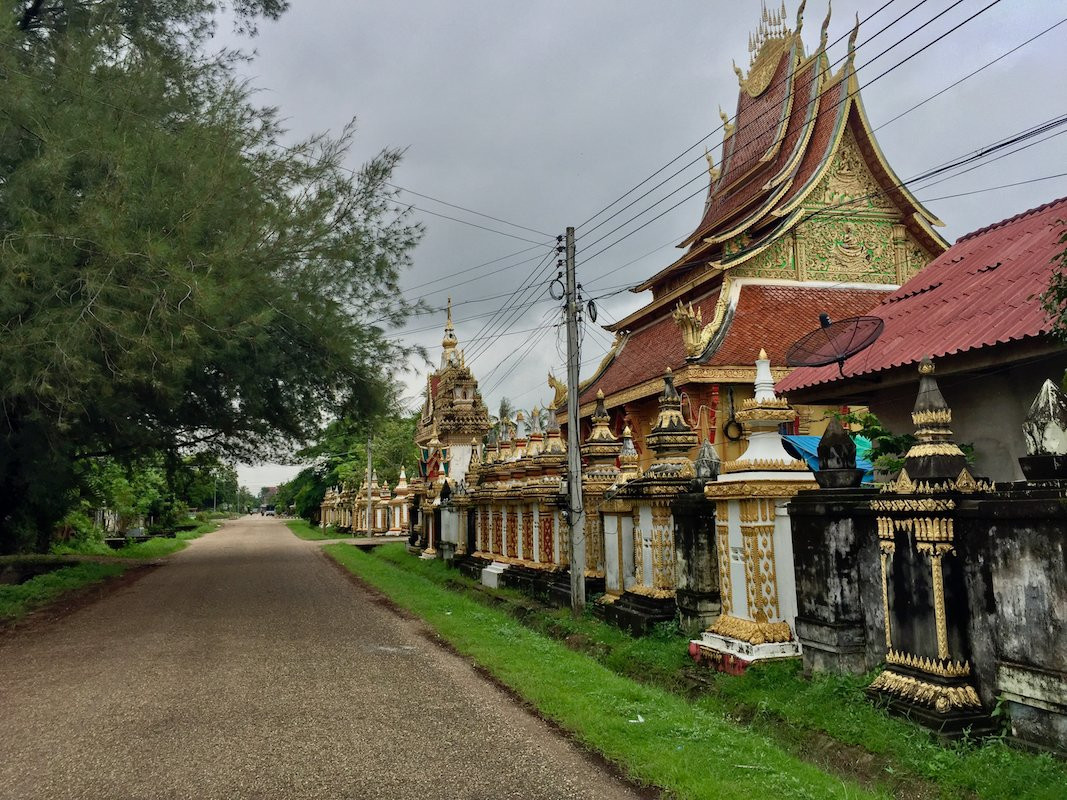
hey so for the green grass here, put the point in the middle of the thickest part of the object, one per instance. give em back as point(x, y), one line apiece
point(17, 600)
point(656, 736)
point(776, 700)
point(156, 547)
point(312, 533)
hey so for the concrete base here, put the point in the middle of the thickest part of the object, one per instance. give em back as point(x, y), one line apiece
point(534, 582)
point(470, 565)
point(831, 648)
point(637, 613)
point(697, 610)
point(734, 656)
point(491, 574)
point(428, 553)
point(559, 590)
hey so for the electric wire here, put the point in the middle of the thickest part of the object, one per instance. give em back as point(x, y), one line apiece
point(881, 75)
point(694, 145)
point(748, 125)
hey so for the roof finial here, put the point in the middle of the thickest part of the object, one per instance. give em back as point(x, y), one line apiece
point(800, 15)
point(737, 71)
point(449, 322)
point(823, 35)
point(852, 40)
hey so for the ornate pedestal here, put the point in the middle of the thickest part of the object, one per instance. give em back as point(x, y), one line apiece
point(754, 542)
point(928, 673)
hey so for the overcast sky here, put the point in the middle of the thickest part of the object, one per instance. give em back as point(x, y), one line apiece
point(543, 113)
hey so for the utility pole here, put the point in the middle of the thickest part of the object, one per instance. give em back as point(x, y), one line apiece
point(576, 513)
point(370, 497)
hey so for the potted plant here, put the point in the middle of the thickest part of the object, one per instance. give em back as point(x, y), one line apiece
point(887, 448)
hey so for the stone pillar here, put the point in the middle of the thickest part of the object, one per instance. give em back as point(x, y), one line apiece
point(696, 573)
point(753, 539)
point(839, 619)
point(928, 674)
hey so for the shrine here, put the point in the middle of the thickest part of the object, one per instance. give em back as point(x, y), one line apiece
point(453, 419)
point(754, 540)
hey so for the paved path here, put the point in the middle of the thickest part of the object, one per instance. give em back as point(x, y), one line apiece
point(248, 666)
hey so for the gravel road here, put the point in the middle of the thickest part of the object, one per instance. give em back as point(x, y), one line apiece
point(249, 667)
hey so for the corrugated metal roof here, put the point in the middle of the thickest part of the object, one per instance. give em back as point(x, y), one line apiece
point(981, 292)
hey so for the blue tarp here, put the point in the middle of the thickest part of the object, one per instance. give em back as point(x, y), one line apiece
point(807, 448)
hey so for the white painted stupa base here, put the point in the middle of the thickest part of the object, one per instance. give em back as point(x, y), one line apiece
point(746, 651)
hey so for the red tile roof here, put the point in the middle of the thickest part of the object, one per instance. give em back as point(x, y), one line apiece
point(771, 316)
point(981, 292)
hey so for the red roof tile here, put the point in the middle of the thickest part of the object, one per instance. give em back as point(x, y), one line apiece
point(980, 292)
point(771, 316)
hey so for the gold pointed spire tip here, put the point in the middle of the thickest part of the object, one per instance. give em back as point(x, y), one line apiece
point(599, 394)
point(762, 354)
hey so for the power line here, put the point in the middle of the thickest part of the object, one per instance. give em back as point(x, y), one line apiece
point(750, 123)
point(884, 124)
point(477, 266)
point(690, 196)
point(970, 75)
point(683, 153)
point(468, 210)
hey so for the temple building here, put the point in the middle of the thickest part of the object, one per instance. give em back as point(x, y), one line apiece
point(453, 416)
point(977, 310)
point(803, 216)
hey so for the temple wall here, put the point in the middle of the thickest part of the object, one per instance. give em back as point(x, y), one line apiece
point(987, 411)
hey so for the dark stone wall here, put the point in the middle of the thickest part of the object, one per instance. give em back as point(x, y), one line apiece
point(696, 560)
point(1016, 557)
point(838, 577)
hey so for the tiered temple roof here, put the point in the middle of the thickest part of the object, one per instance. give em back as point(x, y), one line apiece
point(803, 215)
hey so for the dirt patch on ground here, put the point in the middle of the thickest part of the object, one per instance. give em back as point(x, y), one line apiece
point(68, 603)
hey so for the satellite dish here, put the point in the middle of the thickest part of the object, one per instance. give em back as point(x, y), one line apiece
point(833, 342)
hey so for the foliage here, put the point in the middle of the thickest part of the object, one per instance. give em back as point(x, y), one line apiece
point(503, 421)
point(17, 600)
point(657, 737)
point(341, 456)
point(887, 448)
point(1054, 298)
point(175, 278)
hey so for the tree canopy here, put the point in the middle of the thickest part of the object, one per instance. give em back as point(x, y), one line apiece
point(175, 276)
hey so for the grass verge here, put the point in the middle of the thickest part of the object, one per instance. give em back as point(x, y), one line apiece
point(829, 714)
point(19, 599)
point(311, 533)
point(156, 547)
point(656, 736)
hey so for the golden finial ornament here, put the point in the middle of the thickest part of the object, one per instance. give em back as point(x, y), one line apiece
point(823, 35)
point(926, 366)
point(852, 39)
point(762, 354)
point(800, 15)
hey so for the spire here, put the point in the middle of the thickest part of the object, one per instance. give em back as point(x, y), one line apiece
point(449, 340)
point(935, 456)
point(852, 42)
point(629, 460)
point(824, 33)
point(671, 439)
